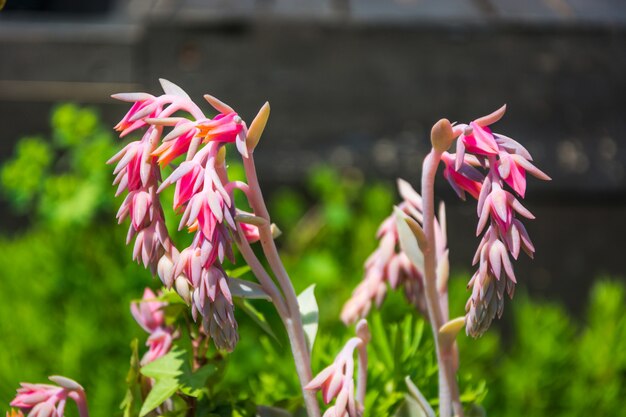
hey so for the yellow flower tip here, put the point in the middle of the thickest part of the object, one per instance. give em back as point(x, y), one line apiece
point(442, 135)
point(449, 331)
point(257, 126)
point(491, 118)
point(221, 155)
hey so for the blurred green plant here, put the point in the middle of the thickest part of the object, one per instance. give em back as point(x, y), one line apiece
point(68, 279)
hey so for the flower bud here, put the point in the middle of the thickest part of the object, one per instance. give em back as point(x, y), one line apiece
point(442, 135)
point(165, 269)
point(182, 288)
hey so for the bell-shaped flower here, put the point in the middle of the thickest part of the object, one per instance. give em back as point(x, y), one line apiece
point(212, 299)
point(145, 105)
point(159, 344)
point(176, 143)
point(148, 312)
point(463, 179)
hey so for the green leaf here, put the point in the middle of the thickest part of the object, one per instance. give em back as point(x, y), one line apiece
point(193, 383)
point(256, 316)
point(238, 272)
point(168, 366)
point(246, 289)
point(310, 314)
point(162, 390)
point(131, 380)
point(265, 411)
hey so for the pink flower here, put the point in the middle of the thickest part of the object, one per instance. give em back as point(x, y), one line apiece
point(251, 232)
point(176, 143)
point(462, 179)
point(388, 264)
point(148, 313)
point(213, 300)
point(225, 128)
point(189, 179)
point(145, 105)
point(477, 139)
point(44, 400)
point(159, 344)
point(505, 162)
point(336, 381)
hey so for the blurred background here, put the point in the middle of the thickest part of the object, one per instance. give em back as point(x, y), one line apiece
point(354, 86)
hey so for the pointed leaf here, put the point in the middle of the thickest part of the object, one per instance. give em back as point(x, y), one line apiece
point(168, 366)
point(193, 383)
point(256, 316)
point(246, 289)
point(161, 391)
point(310, 314)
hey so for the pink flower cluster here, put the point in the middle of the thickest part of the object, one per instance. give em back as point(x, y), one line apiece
point(202, 195)
point(336, 381)
point(45, 400)
point(148, 313)
point(505, 163)
point(389, 265)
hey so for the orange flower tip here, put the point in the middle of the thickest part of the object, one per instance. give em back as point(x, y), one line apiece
point(257, 127)
point(491, 118)
point(218, 104)
point(442, 135)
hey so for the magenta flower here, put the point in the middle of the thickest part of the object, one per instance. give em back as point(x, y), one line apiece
point(44, 400)
point(145, 105)
point(462, 179)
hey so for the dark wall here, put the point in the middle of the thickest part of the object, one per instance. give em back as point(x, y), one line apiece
point(357, 93)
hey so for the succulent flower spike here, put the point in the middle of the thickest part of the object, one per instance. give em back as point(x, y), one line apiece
point(505, 162)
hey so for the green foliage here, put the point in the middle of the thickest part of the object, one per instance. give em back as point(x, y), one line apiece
point(67, 280)
point(63, 181)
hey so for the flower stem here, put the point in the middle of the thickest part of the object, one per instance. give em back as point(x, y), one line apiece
point(448, 388)
point(293, 321)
